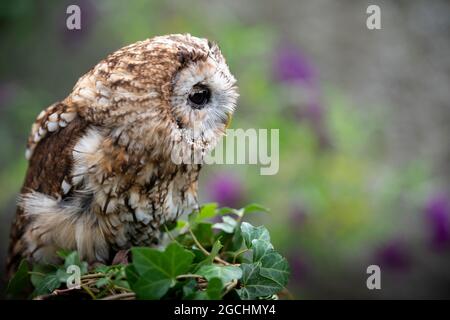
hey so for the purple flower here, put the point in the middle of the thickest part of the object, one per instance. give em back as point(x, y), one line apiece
point(394, 255)
point(297, 266)
point(297, 216)
point(291, 65)
point(226, 190)
point(437, 213)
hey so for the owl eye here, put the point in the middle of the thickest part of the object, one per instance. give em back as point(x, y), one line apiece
point(199, 97)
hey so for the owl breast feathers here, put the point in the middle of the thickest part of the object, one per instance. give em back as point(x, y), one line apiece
point(102, 174)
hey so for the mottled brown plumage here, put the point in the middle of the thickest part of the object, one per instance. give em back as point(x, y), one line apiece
point(104, 164)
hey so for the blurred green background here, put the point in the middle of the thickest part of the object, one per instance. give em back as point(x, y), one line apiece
point(363, 118)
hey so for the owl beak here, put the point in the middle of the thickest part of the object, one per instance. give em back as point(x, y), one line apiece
point(228, 122)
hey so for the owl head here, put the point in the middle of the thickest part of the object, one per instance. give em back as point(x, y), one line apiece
point(155, 94)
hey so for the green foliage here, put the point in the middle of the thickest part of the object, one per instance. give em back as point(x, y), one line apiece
point(20, 281)
point(157, 271)
point(47, 278)
point(203, 260)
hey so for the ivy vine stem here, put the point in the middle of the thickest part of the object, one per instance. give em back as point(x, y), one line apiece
point(239, 253)
point(86, 288)
point(185, 276)
point(170, 234)
point(230, 286)
point(121, 296)
point(202, 249)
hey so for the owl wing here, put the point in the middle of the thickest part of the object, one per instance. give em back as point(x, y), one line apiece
point(49, 152)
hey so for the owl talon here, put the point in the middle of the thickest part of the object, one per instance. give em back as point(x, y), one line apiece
point(121, 257)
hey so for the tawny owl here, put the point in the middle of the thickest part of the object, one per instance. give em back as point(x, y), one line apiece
point(102, 174)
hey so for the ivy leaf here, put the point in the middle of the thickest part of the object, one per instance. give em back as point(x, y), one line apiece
point(214, 251)
point(254, 285)
point(210, 258)
point(228, 225)
point(63, 253)
point(158, 270)
point(236, 240)
point(199, 256)
point(224, 226)
point(62, 275)
point(168, 226)
point(131, 274)
point(199, 295)
point(214, 289)
point(102, 268)
point(189, 289)
point(180, 224)
point(267, 275)
point(40, 280)
point(260, 249)
point(226, 210)
point(74, 259)
point(19, 281)
point(48, 283)
point(275, 268)
point(172, 262)
point(254, 207)
point(151, 286)
point(102, 282)
point(207, 211)
point(224, 273)
point(250, 233)
point(121, 283)
point(204, 234)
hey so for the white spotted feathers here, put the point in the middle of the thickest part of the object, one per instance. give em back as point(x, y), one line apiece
point(50, 120)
